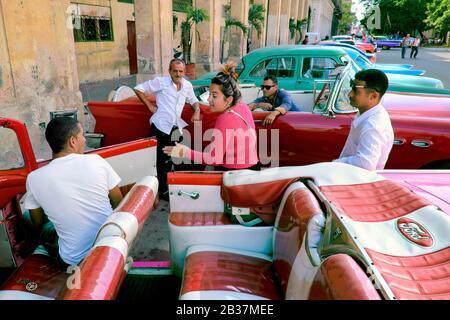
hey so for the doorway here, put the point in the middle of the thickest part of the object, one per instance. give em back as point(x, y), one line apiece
point(132, 51)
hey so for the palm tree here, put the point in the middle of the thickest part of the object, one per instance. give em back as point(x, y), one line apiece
point(193, 16)
point(231, 22)
point(300, 25)
point(255, 21)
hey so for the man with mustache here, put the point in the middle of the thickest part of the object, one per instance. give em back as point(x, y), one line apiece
point(171, 92)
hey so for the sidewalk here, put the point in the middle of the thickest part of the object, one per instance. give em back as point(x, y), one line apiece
point(99, 91)
point(441, 49)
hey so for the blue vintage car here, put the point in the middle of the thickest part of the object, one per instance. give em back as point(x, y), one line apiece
point(362, 59)
point(385, 43)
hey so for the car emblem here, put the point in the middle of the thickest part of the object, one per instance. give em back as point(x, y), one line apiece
point(31, 286)
point(414, 232)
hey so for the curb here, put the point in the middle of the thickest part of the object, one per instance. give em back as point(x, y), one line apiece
point(436, 49)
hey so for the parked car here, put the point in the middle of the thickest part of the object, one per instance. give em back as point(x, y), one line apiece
point(386, 44)
point(366, 47)
point(329, 219)
point(363, 62)
point(298, 66)
point(421, 123)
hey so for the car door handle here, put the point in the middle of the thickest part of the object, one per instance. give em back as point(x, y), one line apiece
point(258, 121)
point(421, 143)
point(399, 141)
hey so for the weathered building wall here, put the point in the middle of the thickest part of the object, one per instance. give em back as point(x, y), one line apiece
point(99, 60)
point(38, 65)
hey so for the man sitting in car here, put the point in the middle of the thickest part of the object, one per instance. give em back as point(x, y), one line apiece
point(279, 101)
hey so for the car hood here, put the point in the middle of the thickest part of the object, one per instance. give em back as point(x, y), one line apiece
point(415, 81)
point(433, 185)
point(399, 70)
point(395, 65)
point(413, 104)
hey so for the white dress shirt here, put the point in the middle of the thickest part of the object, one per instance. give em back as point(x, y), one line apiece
point(370, 140)
point(169, 101)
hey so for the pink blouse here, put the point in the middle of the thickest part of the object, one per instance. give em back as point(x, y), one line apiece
point(233, 144)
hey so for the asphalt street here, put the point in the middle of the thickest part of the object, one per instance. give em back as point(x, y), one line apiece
point(435, 61)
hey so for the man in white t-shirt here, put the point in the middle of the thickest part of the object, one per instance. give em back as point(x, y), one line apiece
point(171, 92)
point(371, 135)
point(76, 192)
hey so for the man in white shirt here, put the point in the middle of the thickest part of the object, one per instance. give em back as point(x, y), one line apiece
point(172, 93)
point(371, 135)
point(75, 192)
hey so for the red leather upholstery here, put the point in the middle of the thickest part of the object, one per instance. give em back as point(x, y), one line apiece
point(422, 277)
point(256, 194)
point(209, 270)
point(300, 207)
point(341, 278)
point(102, 273)
point(194, 219)
point(376, 202)
point(43, 271)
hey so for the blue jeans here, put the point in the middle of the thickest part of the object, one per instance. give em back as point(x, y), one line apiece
point(403, 51)
point(47, 236)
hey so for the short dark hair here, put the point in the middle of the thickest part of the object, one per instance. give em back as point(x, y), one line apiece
point(375, 79)
point(176, 61)
point(59, 131)
point(273, 78)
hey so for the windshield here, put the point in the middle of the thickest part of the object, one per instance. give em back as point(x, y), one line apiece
point(342, 104)
point(240, 67)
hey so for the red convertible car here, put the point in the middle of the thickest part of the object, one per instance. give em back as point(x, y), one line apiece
point(322, 231)
point(316, 134)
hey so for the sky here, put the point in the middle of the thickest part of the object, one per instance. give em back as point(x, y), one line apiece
point(358, 8)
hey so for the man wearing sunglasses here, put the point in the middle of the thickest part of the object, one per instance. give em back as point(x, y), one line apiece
point(371, 135)
point(278, 101)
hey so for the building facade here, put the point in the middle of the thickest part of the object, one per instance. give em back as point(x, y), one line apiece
point(49, 47)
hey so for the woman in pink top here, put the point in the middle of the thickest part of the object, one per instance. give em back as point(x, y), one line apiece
point(233, 144)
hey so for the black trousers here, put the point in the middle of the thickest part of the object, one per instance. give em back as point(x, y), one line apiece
point(414, 52)
point(164, 162)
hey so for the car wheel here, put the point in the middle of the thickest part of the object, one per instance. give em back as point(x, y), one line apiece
point(385, 48)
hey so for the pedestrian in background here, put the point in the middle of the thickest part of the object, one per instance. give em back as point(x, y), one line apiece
point(405, 43)
point(305, 41)
point(415, 47)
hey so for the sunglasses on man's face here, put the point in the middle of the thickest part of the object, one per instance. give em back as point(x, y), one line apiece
point(354, 86)
point(267, 87)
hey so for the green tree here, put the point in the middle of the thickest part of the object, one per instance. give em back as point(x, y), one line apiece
point(438, 12)
point(404, 16)
point(193, 16)
point(229, 23)
point(347, 20)
point(255, 21)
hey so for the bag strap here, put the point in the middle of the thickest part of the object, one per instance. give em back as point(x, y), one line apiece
point(248, 223)
point(245, 121)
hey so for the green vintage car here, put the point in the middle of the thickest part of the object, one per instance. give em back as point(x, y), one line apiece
point(296, 68)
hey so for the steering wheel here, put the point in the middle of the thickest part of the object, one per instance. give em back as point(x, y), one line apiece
point(321, 93)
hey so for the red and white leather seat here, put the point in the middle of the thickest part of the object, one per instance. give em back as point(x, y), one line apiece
point(398, 241)
point(100, 274)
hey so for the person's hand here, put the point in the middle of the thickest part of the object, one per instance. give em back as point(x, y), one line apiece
point(270, 118)
point(265, 106)
point(177, 151)
point(196, 116)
